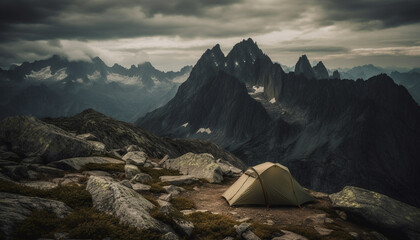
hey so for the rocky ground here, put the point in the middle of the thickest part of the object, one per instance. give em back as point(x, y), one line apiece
point(56, 184)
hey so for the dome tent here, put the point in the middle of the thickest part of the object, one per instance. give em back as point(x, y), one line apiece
point(267, 184)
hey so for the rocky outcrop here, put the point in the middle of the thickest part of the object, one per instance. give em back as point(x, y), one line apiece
point(15, 208)
point(398, 219)
point(179, 180)
point(197, 165)
point(78, 163)
point(119, 135)
point(30, 137)
point(303, 67)
point(321, 71)
point(137, 158)
point(124, 203)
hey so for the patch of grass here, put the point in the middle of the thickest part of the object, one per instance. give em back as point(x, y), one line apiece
point(265, 231)
point(182, 203)
point(72, 195)
point(305, 231)
point(211, 226)
point(107, 167)
point(155, 173)
point(156, 187)
point(40, 224)
point(169, 218)
point(80, 224)
point(151, 199)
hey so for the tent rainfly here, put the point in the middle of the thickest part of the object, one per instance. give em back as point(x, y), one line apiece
point(267, 184)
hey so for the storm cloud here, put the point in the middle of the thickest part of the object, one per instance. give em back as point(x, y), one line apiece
point(328, 29)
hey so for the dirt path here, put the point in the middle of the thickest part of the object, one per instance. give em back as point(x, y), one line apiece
point(209, 197)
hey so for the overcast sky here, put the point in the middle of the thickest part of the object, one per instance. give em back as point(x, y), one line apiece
point(174, 33)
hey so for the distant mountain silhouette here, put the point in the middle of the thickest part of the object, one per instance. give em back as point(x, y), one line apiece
point(59, 87)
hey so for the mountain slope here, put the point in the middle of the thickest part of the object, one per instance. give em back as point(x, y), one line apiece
point(329, 132)
point(78, 85)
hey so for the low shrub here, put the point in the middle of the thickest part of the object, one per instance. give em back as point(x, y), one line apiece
point(265, 231)
point(80, 224)
point(72, 195)
point(107, 167)
point(211, 226)
point(182, 203)
point(305, 231)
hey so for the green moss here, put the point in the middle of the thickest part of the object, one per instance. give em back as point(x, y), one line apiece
point(107, 167)
point(211, 226)
point(182, 203)
point(155, 173)
point(72, 195)
point(265, 231)
point(80, 224)
point(305, 231)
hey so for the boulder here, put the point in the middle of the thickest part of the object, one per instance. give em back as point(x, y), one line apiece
point(43, 185)
point(98, 146)
point(174, 190)
point(140, 187)
point(79, 162)
point(97, 173)
point(124, 203)
point(290, 236)
point(137, 158)
point(87, 136)
point(141, 178)
point(132, 148)
point(393, 217)
point(30, 137)
point(126, 183)
point(16, 172)
point(179, 180)
point(228, 169)
point(249, 235)
point(15, 208)
point(169, 236)
point(50, 171)
point(197, 165)
point(131, 171)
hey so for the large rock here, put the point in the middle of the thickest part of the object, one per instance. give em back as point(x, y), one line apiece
point(392, 216)
point(78, 163)
point(15, 208)
point(131, 171)
point(179, 180)
point(124, 203)
point(141, 178)
point(31, 137)
point(228, 169)
point(137, 158)
point(197, 165)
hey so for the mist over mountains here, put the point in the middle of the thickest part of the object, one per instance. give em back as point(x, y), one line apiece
point(59, 87)
point(329, 132)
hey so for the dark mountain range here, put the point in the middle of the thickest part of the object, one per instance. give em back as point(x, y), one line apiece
point(72, 86)
point(321, 71)
point(329, 132)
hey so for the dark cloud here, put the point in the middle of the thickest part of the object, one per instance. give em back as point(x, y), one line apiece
point(371, 14)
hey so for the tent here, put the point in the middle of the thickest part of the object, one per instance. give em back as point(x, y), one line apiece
point(267, 184)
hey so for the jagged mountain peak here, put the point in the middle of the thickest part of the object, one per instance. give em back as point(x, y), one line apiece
point(304, 67)
point(321, 71)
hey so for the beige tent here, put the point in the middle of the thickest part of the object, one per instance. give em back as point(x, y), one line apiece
point(267, 184)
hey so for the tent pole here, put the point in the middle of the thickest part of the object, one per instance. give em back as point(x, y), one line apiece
point(263, 188)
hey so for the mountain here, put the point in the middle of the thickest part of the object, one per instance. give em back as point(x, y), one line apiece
point(336, 75)
point(411, 81)
point(330, 132)
point(72, 86)
point(321, 71)
point(304, 67)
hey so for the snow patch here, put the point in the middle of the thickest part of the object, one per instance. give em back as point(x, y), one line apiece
point(236, 63)
point(94, 76)
point(273, 100)
point(115, 77)
point(45, 73)
point(204, 130)
point(79, 80)
point(257, 90)
point(185, 125)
